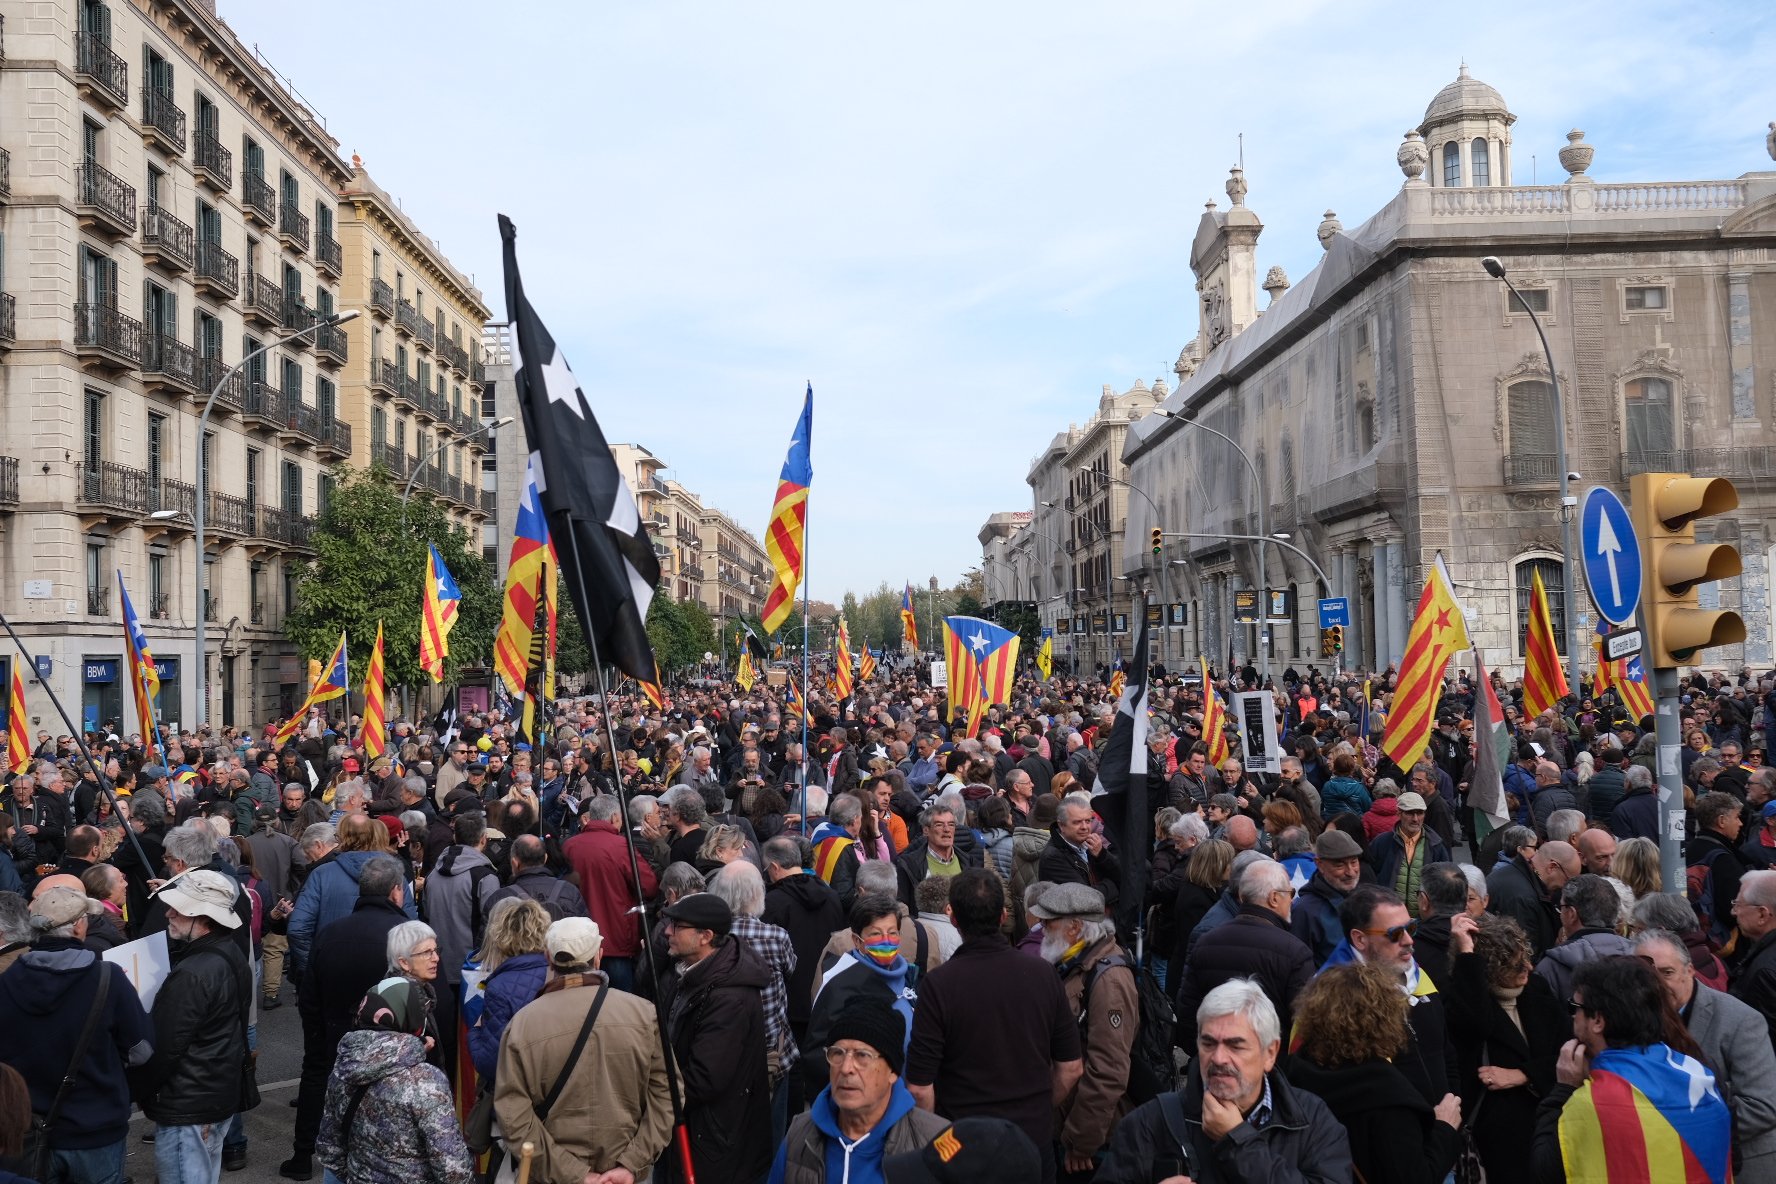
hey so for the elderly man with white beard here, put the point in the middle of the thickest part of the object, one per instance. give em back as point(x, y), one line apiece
point(1081, 943)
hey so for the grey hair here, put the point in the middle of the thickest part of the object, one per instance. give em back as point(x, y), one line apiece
point(680, 879)
point(1647, 937)
point(876, 876)
point(414, 822)
point(784, 852)
point(1669, 912)
point(741, 887)
point(845, 809)
point(1242, 997)
point(1476, 880)
point(148, 809)
point(349, 791)
point(1034, 892)
point(403, 939)
point(321, 834)
point(700, 752)
point(639, 807)
point(15, 918)
point(1292, 841)
point(926, 816)
point(193, 844)
point(414, 785)
point(1190, 826)
point(687, 803)
point(378, 877)
point(1564, 825)
point(601, 808)
point(1638, 777)
point(1260, 880)
point(1241, 862)
point(1076, 801)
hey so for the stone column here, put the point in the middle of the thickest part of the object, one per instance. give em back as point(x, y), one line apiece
point(1378, 569)
point(1345, 569)
point(1396, 600)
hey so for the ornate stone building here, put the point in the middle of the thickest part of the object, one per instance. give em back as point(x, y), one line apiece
point(1396, 402)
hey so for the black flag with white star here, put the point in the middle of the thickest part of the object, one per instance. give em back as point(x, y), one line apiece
point(1120, 794)
point(607, 560)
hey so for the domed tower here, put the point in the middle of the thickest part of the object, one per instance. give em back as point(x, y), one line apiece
point(1468, 132)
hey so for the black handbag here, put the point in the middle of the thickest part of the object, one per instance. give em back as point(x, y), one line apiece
point(1468, 1167)
point(39, 1141)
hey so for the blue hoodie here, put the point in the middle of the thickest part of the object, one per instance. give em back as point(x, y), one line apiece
point(859, 1163)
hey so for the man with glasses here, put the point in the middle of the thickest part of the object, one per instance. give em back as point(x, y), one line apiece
point(1526, 886)
point(865, 1113)
point(1754, 911)
point(453, 774)
point(1589, 907)
point(933, 854)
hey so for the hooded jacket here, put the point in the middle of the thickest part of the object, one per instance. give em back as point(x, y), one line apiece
point(1381, 817)
point(1314, 917)
point(1027, 845)
point(809, 912)
point(1559, 964)
point(329, 893)
point(404, 1131)
point(716, 1020)
point(817, 1152)
point(49, 992)
point(1343, 795)
point(458, 896)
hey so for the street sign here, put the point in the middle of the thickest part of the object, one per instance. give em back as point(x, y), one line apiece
point(1336, 611)
point(1621, 644)
point(1611, 552)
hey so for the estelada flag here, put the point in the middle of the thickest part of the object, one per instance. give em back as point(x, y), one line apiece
point(144, 675)
point(789, 520)
point(909, 625)
point(1438, 633)
point(437, 615)
point(330, 683)
point(983, 664)
point(1649, 1113)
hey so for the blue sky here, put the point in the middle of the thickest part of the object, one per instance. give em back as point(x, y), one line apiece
point(958, 220)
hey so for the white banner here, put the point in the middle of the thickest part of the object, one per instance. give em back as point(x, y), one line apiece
point(1255, 712)
point(147, 963)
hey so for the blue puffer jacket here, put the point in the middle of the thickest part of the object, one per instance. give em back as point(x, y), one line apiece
point(1342, 795)
point(513, 983)
point(331, 892)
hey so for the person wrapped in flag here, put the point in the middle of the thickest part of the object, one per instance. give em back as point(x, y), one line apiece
point(1627, 1106)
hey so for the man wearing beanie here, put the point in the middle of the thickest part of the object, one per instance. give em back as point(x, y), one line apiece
point(864, 1114)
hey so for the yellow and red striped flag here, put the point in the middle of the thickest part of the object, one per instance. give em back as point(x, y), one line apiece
point(655, 695)
point(982, 660)
point(793, 701)
point(866, 664)
point(1544, 679)
point(528, 569)
point(437, 615)
point(330, 682)
point(1214, 719)
point(789, 521)
point(842, 663)
point(1118, 680)
point(374, 735)
point(18, 740)
point(909, 625)
point(1631, 684)
point(1438, 633)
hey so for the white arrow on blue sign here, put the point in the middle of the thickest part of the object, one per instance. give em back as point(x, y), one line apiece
point(1611, 552)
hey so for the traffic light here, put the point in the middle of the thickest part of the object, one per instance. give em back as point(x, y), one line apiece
point(1325, 643)
point(1337, 632)
point(1665, 507)
point(1159, 541)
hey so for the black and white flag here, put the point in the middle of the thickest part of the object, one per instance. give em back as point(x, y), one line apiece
point(1120, 792)
point(607, 560)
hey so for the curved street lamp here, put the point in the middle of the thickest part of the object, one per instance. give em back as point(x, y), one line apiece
point(425, 458)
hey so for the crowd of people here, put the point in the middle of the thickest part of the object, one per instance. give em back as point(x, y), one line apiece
point(661, 939)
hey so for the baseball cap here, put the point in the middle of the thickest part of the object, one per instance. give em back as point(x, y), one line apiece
point(971, 1151)
point(350, 764)
point(156, 772)
point(203, 893)
point(1335, 844)
point(58, 907)
point(702, 910)
point(573, 941)
point(1770, 809)
point(1411, 800)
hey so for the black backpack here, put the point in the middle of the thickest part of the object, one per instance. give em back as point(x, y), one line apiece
point(1152, 1070)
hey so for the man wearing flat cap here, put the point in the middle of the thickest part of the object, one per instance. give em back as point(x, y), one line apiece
point(865, 1113)
point(191, 1086)
point(1081, 943)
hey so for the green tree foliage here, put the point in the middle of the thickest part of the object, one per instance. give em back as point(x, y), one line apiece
point(572, 654)
point(681, 633)
point(367, 569)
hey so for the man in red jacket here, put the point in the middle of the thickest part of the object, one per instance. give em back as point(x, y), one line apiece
point(599, 855)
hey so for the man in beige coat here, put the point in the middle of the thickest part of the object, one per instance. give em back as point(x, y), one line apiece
point(613, 1117)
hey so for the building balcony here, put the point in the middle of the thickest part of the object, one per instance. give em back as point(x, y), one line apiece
point(293, 228)
point(107, 205)
point(5, 174)
point(382, 299)
point(385, 379)
point(217, 272)
point(301, 427)
point(407, 393)
point(160, 605)
point(258, 200)
point(297, 531)
point(8, 320)
point(227, 515)
point(176, 497)
point(407, 318)
point(163, 124)
point(101, 75)
point(214, 164)
point(425, 334)
point(489, 501)
point(114, 491)
point(258, 614)
point(168, 364)
point(103, 334)
point(657, 485)
point(167, 243)
point(298, 317)
point(454, 356)
point(9, 482)
point(329, 257)
point(1531, 468)
point(335, 438)
point(1749, 463)
point(233, 395)
point(98, 601)
point(212, 606)
point(265, 301)
point(393, 459)
point(330, 345)
point(262, 405)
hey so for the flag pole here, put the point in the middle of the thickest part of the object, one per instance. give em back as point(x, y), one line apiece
point(80, 739)
point(681, 1134)
point(807, 687)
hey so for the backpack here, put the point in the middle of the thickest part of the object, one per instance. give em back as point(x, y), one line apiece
point(1699, 884)
point(1152, 1070)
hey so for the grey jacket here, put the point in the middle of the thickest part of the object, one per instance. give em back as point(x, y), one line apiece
point(453, 912)
point(1736, 1042)
point(1559, 963)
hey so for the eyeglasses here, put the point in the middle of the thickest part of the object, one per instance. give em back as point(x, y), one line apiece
point(431, 953)
point(863, 1058)
point(1574, 1007)
point(1395, 933)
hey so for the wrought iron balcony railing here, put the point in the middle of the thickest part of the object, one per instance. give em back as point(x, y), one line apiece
point(162, 120)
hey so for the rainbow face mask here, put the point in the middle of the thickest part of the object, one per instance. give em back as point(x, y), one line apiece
point(882, 953)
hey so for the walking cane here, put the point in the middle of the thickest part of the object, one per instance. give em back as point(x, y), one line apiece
point(525, 1153)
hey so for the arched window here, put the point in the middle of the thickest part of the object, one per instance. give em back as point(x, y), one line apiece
point(1530, 410)
point(1482, 163)
point(1523, 574)
point(1452, 165)
point(1646, 406)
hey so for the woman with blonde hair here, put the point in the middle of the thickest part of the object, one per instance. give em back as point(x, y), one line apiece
point(512, 957)
point(723, 845)
point(360, 833)
point(1636, 864)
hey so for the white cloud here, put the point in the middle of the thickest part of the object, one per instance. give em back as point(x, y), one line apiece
point(958, 220)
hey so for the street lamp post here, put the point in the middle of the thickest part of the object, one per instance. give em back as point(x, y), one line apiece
point(1110, 591)
point(425, 457)
point(1263, 530)
point(1496, 269)
point(197, 510)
